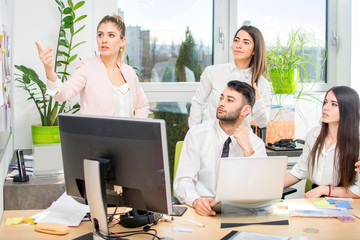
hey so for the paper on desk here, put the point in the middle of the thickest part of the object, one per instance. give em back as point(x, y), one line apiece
point(65, 211)
point(322, 203)
point(318, 211)
point(260, 236)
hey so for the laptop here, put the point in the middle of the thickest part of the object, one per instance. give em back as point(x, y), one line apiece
point(250, 182)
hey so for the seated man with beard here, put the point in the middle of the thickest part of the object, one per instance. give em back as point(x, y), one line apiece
point(205, 144)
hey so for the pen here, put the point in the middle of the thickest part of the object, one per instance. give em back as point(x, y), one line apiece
point(187, 230)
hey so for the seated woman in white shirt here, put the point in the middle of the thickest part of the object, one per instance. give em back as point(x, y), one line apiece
point(331, 150)
point(248, 66)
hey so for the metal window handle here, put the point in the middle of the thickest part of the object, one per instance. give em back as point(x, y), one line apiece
point(335, 39)
point(221, 37)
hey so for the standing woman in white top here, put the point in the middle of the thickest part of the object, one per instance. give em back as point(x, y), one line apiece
point(248, 66)
point(331, 150)
point(106, 85)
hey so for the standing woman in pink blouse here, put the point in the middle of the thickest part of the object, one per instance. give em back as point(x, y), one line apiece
point(107, 86)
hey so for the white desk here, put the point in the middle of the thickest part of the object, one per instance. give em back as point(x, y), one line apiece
point(330, 228)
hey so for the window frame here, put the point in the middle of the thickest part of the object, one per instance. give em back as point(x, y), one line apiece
point(224, 22)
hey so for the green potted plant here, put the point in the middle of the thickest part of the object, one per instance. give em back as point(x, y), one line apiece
point(291, 65)
point(47, 107)
point(287, 62)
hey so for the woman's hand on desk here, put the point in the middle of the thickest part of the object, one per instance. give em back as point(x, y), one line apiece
point(317, 192)
point(202, 206)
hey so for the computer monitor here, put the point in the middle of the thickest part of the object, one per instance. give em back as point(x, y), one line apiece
point(136, 150)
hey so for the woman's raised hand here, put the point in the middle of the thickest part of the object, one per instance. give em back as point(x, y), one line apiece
point(46, 58)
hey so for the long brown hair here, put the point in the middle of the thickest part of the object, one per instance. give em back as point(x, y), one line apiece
point(258, 60)
point(347, 143)
point(120, 24)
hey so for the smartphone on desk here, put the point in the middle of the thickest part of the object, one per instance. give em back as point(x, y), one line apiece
point(178, 211)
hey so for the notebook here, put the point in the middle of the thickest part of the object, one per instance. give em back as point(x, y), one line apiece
point(250, 181)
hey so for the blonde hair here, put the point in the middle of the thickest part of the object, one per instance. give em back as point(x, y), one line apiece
point(119, 22)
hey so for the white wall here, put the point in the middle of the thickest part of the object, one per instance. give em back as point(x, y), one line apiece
point(355, 46)
point(6, 150)
point(38, 20)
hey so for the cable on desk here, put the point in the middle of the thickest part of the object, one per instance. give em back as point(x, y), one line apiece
point(117, 205)
point(145, 231)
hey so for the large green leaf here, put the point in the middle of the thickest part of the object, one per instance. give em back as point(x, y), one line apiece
point(26, 78)
point(21, 68)
point(79, 4)
point(38, 82)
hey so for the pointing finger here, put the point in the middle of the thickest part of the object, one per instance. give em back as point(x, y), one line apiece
point(38, 47)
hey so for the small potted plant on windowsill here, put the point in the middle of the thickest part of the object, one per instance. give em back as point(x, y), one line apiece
point(48, 132)
point(287, 62)
point(291, 66)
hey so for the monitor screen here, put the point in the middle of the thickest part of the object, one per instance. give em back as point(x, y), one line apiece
point(136, 148)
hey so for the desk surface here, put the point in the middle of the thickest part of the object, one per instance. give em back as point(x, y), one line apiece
point(330, 228)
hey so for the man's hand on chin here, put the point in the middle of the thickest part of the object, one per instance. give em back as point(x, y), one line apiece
point(202, 206)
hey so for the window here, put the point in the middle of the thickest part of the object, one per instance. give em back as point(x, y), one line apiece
point(279, 18)
point(168, 41)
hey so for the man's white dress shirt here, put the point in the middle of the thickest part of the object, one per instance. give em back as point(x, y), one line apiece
point(197, 170)
point(323, 173)
point(214, 80)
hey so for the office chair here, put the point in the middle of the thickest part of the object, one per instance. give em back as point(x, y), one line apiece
point(178, 147)
point(308, 185)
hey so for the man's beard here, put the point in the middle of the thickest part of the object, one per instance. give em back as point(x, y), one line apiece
point(229, 116)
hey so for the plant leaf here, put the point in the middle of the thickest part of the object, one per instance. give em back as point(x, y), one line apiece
point(78, 44)
point(68, 25)
point(64, 42)
point(63, 62)
point(79, 4)
point(80, 18)
point(63, 53)
point(38, 82)
point(68, 19)
point(64, 73)
point(72, 58)
point(26, 79)
point(79, 29)
point(53, 113)
point(70, 3)
point(67, 10)
point(62, 32)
